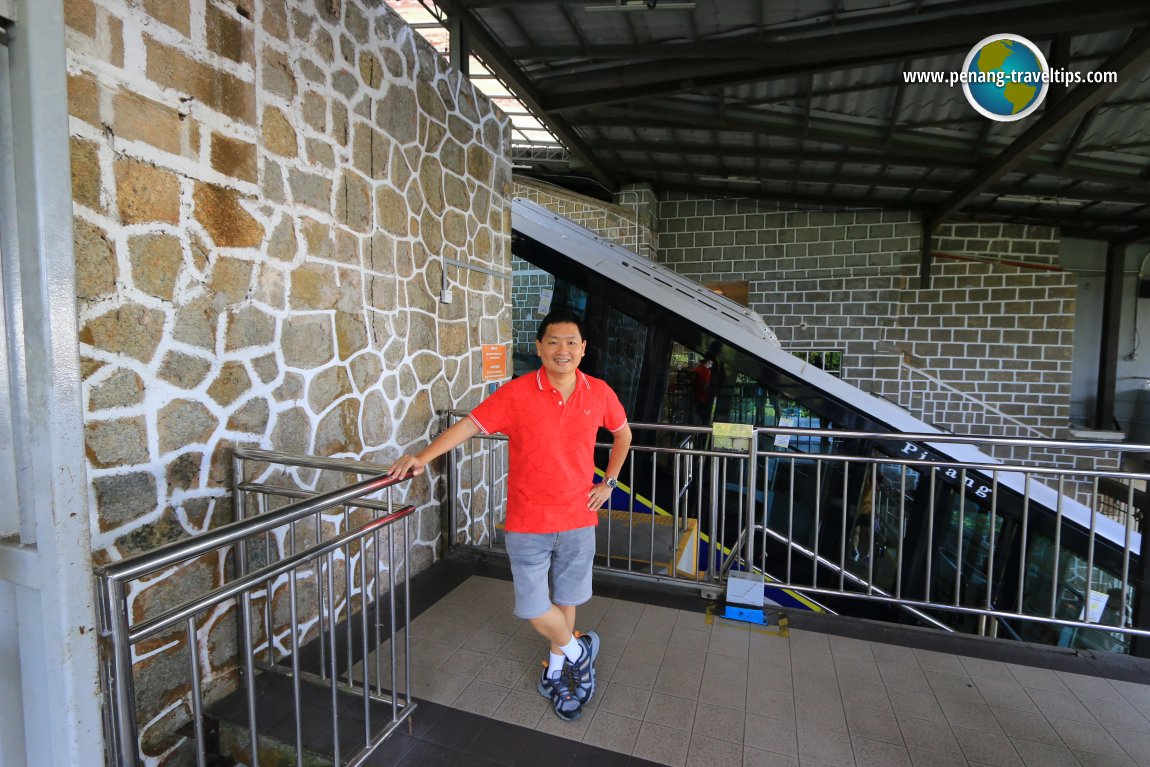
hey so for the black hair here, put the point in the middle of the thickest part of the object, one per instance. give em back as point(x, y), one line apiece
point(556, 316)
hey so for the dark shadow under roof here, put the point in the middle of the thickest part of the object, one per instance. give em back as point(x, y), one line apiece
point(808, 102)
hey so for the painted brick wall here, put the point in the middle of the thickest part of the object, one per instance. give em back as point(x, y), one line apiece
point(996, 322)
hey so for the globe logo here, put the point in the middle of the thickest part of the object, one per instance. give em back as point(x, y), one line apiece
point(1005, 77)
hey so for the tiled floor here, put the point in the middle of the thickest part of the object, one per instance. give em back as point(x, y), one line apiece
point(678, 688)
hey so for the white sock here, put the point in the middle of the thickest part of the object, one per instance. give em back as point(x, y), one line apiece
point(555, 664)
point(572, 650)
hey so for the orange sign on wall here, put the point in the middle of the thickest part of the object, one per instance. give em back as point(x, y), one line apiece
point(494, 362)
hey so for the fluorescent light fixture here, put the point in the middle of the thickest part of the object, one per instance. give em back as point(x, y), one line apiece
point(1034, 199)
point(731, 179)
point(641, 5)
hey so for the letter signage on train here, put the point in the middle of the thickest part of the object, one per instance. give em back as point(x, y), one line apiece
point(919, 453)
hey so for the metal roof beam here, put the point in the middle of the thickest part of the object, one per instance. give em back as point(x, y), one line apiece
point(1130, 57)
point(1132, 236)
point(677, 66)
point(905, 146)
point(821, 200)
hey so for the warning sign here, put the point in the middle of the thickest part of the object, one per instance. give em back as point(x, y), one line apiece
point(494, 362)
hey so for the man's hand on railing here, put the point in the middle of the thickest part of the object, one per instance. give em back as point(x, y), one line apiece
point(405, 464)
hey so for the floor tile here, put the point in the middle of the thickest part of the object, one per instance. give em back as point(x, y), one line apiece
point(673, 681)
point(625, 701)
point(925, 735)
point(986, 747)
point(663, 745)
point(1037, 678)
point(932, 759)
point(1117, 714)
point(1024, 724)
point(708, 752)
point(718, 722)
point(1087, 759)
point(970, 714)
point(613, 732)
point(771, 735)
point(635, 674)
point(875, 753)
point(1080, 736)
point(481, 698)
point(874, 724)
point(522, 708)
point(753, 757)
point(1034, 754)
point(825, 747)
point(671, 711)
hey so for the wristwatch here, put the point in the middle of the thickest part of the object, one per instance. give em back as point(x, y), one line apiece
point(611, 482)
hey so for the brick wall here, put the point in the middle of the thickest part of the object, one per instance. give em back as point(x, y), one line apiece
point(627, 224)
point(265, 193)
point(995, 324)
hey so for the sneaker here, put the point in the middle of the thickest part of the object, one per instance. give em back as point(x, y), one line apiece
point(563, 701)
point(545, 684)
point(583, 671)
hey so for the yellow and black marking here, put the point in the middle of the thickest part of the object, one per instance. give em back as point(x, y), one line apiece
point(783, 629)
point(659, 512)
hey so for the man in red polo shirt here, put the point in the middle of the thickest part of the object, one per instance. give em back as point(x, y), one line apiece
point(551, 418)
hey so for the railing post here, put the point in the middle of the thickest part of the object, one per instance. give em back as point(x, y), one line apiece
point(1140, 646)
point(752, 480)
point(122, 682)
point(716, 547)
point(452, 477)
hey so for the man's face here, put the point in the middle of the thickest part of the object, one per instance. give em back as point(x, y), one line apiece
point(562, 348)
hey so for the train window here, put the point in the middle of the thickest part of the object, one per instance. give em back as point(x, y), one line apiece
point(879, 522)
point(829, 360)
point(963, 544)
point(1074, 597)
point(625, 345)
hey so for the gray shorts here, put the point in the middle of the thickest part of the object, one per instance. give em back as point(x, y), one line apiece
point(566, 556)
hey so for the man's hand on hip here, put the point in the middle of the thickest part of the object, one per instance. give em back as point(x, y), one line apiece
point(598, 496)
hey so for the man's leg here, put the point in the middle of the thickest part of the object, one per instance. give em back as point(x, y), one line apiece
point(531, 556)
point(555, 626)
point(568, 613)
point(571, 583)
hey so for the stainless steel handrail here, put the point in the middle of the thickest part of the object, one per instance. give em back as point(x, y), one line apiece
point(120, 633)
point(746, 525)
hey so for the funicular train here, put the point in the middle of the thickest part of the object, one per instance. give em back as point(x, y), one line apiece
point(984, 530)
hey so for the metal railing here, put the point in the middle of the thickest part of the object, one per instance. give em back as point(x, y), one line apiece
point(938, 403)
point(306, 585)
point(818, 522)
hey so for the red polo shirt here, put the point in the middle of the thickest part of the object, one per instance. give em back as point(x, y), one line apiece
point(552, 447)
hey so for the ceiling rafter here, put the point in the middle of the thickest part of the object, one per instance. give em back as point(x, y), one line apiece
point(926, 148)
point(723, 63)
point(810, 104)
point(1134, 54)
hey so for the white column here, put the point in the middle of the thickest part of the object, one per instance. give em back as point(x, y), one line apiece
point(48, 663)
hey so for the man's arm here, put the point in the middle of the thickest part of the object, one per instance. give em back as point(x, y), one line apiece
point(456, 435)
point(619, 449)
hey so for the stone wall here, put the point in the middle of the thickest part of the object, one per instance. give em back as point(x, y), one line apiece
point(265, 195)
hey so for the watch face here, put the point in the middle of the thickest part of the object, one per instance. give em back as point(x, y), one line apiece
point(611, 482)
